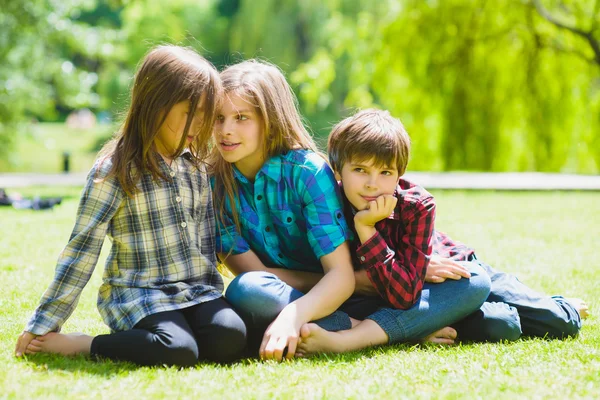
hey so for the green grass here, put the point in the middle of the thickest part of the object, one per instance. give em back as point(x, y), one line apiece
point(41, 146)
point(548, 239)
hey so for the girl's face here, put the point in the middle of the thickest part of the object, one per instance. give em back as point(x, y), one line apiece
point(170, 132)
point(239, 135)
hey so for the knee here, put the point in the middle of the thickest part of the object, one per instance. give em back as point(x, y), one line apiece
point(180, 352)
point(501, 322)
point(480, 282)
point(226, 340)
point(256, 291)
point(229, 345)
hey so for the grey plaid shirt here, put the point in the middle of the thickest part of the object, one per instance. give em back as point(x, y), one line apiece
point(162, 256)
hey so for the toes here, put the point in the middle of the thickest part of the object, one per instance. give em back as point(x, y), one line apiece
point(32, 349)
point(442, 341)
point(449, 333)
point(304, 331)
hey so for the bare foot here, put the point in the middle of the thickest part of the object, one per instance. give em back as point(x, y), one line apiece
point(445, 335)
point(315, 339)
point(580, 305)
point(59, 343)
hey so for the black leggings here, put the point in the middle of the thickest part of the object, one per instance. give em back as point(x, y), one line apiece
point(210, 331)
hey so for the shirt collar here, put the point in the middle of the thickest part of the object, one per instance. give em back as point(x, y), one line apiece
point(271, 168)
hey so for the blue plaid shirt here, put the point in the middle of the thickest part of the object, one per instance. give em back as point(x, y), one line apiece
point(290, 216)
point(162, 256)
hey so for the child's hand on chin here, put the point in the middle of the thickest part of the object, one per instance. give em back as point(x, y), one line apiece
point(378, 209)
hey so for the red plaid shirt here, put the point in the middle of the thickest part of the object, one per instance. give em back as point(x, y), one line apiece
point(396, 257)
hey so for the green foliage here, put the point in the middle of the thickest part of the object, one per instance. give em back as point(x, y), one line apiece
point(508, 85)
point(49, 61)
point(480, 85)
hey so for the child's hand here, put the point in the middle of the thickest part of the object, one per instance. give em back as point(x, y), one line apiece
point(440, 269)
point(379, 209)
point(363, 284)
point(22, 342)
point(280, 336)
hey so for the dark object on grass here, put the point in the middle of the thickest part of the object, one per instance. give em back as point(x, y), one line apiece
point(37, 203)
point(4, 199)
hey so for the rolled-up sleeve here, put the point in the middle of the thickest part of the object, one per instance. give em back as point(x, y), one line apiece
point(99, 203)
point(326, 226)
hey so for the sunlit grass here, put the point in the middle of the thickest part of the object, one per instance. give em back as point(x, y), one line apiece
point(547, 239)
point(41, 146)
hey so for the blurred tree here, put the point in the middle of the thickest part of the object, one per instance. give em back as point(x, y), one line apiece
point(471, 80)
point(48, 60)
point(479, 84)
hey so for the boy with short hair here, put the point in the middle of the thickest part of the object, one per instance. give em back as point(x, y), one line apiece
point(412, 267)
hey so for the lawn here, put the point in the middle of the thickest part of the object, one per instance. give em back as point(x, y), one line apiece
point(548, 239)
point(41, 146)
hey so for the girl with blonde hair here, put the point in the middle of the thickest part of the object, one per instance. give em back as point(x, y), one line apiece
point(280, 225)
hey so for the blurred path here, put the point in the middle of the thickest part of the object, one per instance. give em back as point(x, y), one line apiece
point(429, 180)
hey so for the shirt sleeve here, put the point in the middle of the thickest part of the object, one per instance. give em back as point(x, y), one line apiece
point(398, 276)
point(326, 225)
point(99, 202)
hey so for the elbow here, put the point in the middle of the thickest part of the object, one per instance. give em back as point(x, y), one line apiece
point(404, 301)
point(351, 286)
point(402, 305)
point(347, 282)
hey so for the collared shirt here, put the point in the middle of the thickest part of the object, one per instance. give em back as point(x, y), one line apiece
point(162, 256)
point(290, 216)
point(397, 256)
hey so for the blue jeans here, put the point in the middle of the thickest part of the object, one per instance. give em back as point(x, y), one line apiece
point(260, 296)
point(513, 309)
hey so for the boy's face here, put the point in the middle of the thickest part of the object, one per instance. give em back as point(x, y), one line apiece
point(364, 182)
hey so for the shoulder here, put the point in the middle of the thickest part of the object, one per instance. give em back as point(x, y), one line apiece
point(411, 194)
point(305, 162)
point(304, 157)
point(102, 168)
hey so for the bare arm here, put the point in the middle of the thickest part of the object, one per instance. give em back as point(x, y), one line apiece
point(324, 298)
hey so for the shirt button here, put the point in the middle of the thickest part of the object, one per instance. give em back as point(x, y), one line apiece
point(268, 229)
point(338, 215)
point(280, 255)
point(178, 199)
point(172, 173)
point(259, 197)
point(289, 219)
point(183, 224)
point(362, 258)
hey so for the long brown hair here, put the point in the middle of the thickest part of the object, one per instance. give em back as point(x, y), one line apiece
point(167, 75)
point(264, 86)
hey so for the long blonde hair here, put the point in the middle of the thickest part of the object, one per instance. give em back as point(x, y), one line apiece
point(263, 85)
point(167, 75)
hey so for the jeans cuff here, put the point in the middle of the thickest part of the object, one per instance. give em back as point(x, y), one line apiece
point(338, 321)
point(390, 324)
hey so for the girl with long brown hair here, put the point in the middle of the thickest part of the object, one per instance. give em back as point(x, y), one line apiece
point(149, 193)
point(280, 225)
